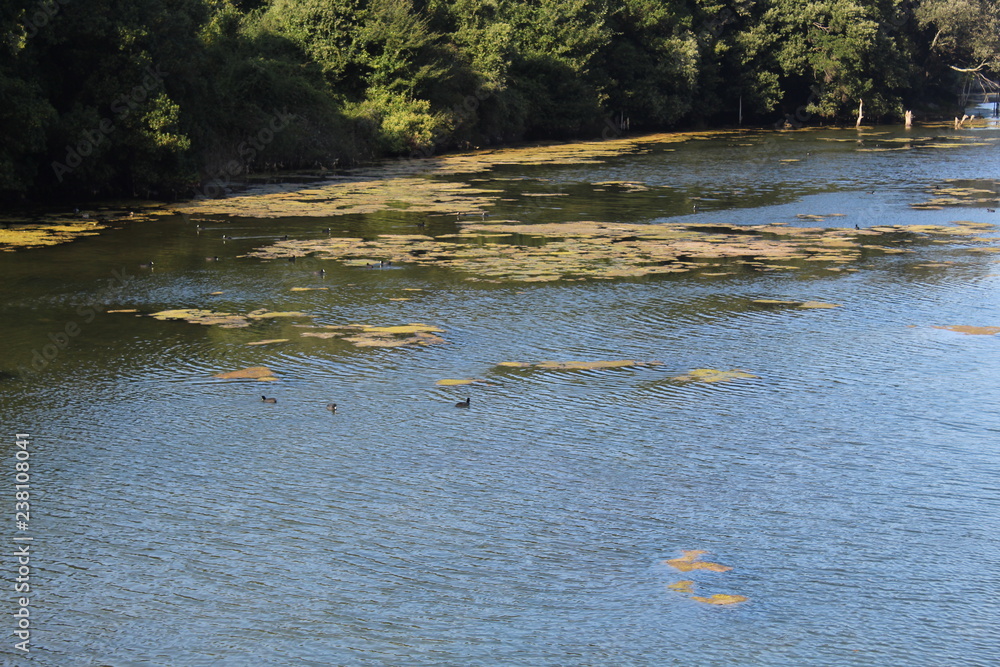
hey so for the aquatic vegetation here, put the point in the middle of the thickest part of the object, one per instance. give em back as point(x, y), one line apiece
point(720, 598)
point(686, 586)
point(578, 365)
point(457, 382)
point(974, 193)
point(361, 335)
point(307, 289)
point(691, 561)
point(269, 341)
point(405, 184)
point(259, 373)
point(19, 232)
point(223, 320)
point(970, 330)
point(796, 304)
point(710, 375)
point(496, 251)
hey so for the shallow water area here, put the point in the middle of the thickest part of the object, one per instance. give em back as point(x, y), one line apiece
point(815, 443)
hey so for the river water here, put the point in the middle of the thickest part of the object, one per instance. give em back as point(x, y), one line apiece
point(851, 484)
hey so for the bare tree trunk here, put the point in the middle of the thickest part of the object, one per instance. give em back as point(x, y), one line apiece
point(860, 114)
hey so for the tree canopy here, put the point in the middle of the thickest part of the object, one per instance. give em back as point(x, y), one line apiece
point(160, 98)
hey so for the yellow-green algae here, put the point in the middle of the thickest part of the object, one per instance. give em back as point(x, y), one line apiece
point(578, 365)
point(259, 373)
point(970, 330)
point(720, 598)
point(19, 232)
point(362, 335)
point(457, 382)
point(597, 250)
point(686, 586)
point(959, 195)
point(711, 375)
point(691, 560)
point(404, 184)
point(223, 320)
point(796, 304)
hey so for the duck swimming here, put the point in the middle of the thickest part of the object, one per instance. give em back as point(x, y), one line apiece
point(332, 407)
point(268, 400)
point(464, 404)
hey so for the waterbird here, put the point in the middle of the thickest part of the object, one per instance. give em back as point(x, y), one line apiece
point(227, 237)
point(332, 407)
point(464, 404)
point(991, 210)
point(321, 272)
point(211, 259)
point(856, 226)
point(146, 265)
point(268, 400)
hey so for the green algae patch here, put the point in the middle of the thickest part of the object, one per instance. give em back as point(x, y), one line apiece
point(796, 304)
point(691, 560)
point(578, 365)
point(403, 329)
point(19, 232)
point(222, 320)
point(710, 375)
point(720, 598)
point(686, 586)
point(361, 335)
point(961, 193)
point(457, 382)
point(268, 341)
point(259, 373)
point(970, 330)
point(590, 250)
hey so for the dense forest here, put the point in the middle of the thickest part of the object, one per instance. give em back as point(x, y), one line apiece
point(163, 98)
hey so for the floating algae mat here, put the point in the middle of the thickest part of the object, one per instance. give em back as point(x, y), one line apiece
point(224, 320)
point(598, 250)
point(962, 193)
point(408, 184)
point(710, 375)
point(691, 560)
point(796, 304)
point(720, 598)
point(970, 330)
point(52, 229)
point(259, 373)
point(577, 365)
point(362, 335)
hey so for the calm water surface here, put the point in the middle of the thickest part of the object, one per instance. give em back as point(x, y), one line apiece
point(852, 485)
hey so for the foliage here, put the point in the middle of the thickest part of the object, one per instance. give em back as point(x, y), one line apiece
point(181, 97)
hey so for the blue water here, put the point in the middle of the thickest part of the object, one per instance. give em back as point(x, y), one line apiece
point(851, 485)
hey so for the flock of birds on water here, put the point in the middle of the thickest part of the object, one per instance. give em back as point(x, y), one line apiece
point(332, 407)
